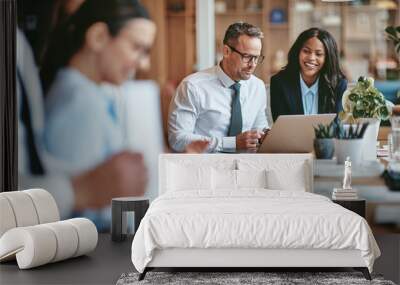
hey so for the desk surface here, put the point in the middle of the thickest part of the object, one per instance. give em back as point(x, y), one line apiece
point(111, 259)
point(102, 266)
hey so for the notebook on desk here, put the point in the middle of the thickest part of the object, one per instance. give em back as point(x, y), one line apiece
point(293, 133)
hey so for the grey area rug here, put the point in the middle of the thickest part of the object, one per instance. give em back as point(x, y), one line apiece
point(225, 278)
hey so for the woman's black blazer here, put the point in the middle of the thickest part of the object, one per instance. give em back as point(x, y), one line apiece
point(286, 95)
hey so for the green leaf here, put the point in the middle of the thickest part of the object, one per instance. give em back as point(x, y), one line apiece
point(353, 97)
point(390, 30)
point(359, 113)
point(384, 113)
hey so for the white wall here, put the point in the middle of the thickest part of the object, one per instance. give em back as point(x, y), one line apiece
point(205, 33)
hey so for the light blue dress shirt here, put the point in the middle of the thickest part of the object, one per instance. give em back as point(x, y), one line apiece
point(309, 96)
point(82, 128)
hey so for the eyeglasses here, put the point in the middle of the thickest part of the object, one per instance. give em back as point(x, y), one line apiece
point(247, 58)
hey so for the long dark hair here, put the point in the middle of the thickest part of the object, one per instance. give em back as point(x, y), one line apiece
point(69, 37)
point(330, 72)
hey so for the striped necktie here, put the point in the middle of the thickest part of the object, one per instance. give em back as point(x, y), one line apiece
point(236, 112)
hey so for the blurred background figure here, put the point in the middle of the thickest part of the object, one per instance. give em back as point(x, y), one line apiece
point(102, 42)
point(123, 174)
point(125, 112)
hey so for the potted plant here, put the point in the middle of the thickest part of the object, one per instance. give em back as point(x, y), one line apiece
point(364, 103)
point(349, 142)
point(323, 141)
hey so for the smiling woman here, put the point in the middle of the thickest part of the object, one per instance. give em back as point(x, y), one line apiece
point(312, 81)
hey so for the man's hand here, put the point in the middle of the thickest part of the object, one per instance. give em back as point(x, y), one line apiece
point(124, 174)
point(265, 131)
point(249, 140)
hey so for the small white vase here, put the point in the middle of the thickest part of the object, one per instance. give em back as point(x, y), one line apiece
point(349, 148)
point(370, 138)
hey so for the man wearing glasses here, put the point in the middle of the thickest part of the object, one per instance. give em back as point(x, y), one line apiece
point(226, 104)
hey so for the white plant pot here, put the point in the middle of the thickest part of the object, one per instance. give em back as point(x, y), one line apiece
point(349, 148)
point(370, 138)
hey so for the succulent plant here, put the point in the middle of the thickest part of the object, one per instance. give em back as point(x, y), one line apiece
point(354, 131)
point(324, 131)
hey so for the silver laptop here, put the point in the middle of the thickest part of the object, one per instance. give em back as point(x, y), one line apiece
point(293, 133)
